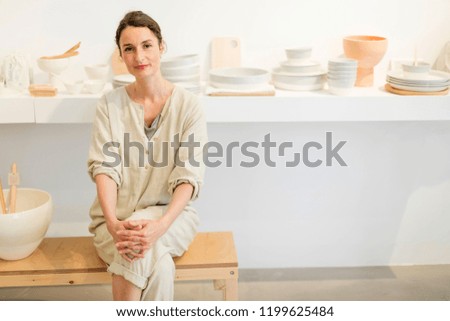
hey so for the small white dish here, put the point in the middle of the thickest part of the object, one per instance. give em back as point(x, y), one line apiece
point(94, 86)
point(99, 71)
point(74, 88)
point(298, 54)
point(418, 70)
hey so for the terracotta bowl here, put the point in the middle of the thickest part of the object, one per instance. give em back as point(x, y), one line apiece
point(22, 232)
point(368, 50)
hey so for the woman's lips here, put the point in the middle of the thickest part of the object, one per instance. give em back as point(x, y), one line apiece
point(140, 67)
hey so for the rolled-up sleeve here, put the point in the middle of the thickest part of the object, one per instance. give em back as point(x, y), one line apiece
point(189, 165)
point(104, 154)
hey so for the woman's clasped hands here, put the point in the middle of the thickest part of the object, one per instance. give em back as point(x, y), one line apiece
point(134, 238)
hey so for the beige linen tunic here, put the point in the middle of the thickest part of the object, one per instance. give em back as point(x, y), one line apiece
point(146, 173)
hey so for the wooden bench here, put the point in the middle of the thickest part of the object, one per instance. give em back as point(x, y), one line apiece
point(74, 260)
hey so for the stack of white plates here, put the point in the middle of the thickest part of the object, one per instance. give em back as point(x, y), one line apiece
point(239, 78)
point(183, 71)
point(433, 81)
point(342, 75)
point(122, 80)
point(299, 73)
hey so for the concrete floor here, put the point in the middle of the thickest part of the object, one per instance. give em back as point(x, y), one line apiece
point(316, 284)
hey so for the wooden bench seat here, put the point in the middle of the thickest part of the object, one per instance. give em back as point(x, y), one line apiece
point(74, 261)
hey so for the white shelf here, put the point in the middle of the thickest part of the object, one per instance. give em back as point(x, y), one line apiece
point(15, 110)
point(364, 104)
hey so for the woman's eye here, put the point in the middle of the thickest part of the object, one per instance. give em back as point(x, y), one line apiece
point(146, 46)
point(127, 49)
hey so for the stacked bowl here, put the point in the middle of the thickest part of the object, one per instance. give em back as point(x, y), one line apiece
point(418, 78)
point(342, 75)
point(299, 73)
point(183, 70)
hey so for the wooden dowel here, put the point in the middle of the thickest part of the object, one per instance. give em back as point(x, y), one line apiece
point(13, 191)
point(2, 198)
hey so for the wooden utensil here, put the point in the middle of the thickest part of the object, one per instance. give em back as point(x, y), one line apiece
point(74, 48)
point(64, 55)
point(397, 91)
point(225, 52)
point(69, 53)
point(13, 180)
point(2, 199)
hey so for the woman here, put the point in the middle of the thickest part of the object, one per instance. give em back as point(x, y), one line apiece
point(145, 178)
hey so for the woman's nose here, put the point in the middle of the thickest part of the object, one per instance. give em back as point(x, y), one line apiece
point(138, 55)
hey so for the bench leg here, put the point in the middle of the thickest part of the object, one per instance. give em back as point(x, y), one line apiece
point(229, 288)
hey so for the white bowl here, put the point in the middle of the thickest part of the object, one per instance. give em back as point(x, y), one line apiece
point(22, 232)
point(342, 62)
point(184, 71)
point(54, 66)
point(180, 61)
point(74, 87)
point(94, 86)
point(305, 67)
point(298, 54)
point(99, 71)
point(416, 71)
point(240, 78)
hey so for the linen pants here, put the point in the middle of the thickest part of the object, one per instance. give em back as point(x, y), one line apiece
point(155, 273)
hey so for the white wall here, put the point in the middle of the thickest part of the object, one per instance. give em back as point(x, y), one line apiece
point(389, 206)
point(46, 27)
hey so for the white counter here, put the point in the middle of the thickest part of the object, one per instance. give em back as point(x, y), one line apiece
point(365, 104)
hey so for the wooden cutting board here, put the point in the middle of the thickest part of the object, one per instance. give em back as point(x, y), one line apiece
point(397, 91)
point(117, 65)
point(225, 52)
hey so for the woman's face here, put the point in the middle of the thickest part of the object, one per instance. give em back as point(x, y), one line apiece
point(141, 51)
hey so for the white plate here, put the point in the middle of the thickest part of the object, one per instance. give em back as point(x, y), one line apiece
point(404, 83)
point(421, 89)
point(238, 78)
point(433, 77)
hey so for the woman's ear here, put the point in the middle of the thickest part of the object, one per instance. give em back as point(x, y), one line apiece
point(162, 47)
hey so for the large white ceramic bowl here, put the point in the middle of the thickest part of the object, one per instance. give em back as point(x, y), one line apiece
point(239, 78)
point(22, 232)
point(54, 66)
